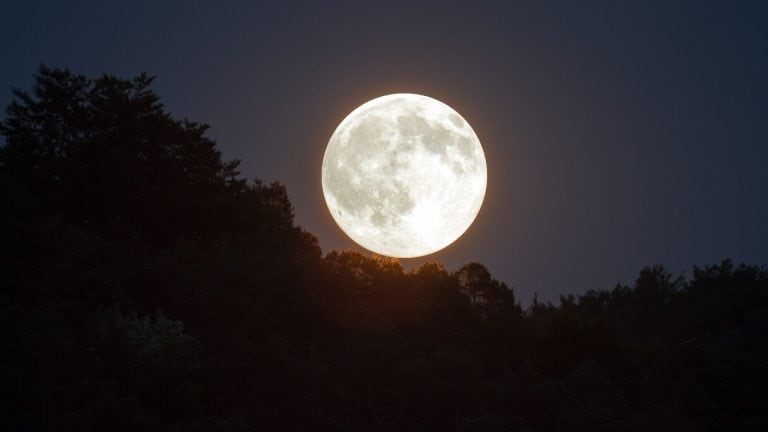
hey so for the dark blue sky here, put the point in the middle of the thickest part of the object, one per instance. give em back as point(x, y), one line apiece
point(618, 134)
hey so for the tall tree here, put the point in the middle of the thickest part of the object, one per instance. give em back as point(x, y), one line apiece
point(104, 154)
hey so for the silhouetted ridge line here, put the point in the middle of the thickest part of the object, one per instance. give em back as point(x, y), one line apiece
point(146, 286)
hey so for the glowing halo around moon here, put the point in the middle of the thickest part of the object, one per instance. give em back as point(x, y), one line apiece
point(404, 175)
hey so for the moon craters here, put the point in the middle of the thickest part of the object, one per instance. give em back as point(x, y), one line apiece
point(404, 175)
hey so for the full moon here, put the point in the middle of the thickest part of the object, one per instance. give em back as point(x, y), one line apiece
point(404, 175)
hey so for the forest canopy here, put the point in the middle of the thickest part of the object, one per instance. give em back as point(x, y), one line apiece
point(147, 286)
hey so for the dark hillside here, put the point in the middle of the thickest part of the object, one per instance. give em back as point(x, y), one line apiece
point(146, 286)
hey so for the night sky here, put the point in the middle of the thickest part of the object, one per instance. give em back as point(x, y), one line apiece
point(616, 135)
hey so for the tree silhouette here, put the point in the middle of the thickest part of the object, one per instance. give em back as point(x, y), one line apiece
point(104, 154)
point(147, 286)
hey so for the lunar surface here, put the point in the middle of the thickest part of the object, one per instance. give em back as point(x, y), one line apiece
point(404, 175)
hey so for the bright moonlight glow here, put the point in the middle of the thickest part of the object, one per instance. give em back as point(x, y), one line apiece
point(404, 175)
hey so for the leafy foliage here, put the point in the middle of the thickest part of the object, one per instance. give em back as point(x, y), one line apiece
point(145, 286)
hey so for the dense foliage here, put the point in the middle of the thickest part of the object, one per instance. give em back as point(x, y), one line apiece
point(146, 286)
